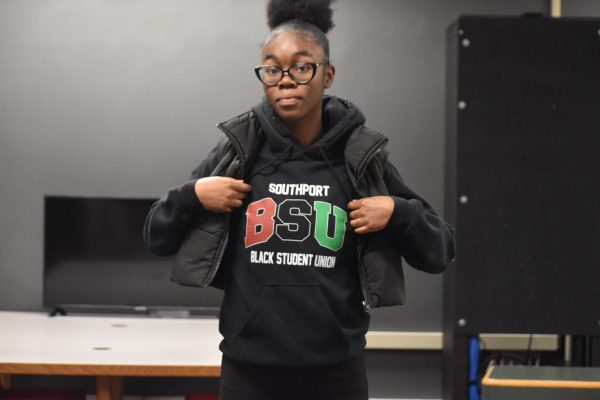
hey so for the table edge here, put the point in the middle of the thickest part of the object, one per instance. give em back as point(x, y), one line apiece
point(110, 370)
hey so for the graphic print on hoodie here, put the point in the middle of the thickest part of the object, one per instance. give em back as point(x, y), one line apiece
point(292, 292)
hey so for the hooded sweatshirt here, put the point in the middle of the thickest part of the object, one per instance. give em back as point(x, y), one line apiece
point(292, 292)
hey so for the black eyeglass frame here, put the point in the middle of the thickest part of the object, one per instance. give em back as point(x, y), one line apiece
point(315, 66)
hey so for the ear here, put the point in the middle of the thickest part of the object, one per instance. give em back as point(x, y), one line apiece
point(329, 75)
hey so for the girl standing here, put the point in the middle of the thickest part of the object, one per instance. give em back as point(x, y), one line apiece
point(298, 215)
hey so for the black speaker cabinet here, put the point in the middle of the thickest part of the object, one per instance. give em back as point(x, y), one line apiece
point(522, 178)
point(523, 174)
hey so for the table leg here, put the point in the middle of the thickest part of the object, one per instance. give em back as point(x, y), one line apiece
point(109, 388)
point(5, 381)
point(116, 388)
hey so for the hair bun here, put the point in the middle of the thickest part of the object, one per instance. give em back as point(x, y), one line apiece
point(316, 12)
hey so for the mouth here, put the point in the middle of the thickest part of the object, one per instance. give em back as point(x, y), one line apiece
point(288, 100)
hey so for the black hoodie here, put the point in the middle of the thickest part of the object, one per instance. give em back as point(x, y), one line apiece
point(292, 292)
point(291, 275)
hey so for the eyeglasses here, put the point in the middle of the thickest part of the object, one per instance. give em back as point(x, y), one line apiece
point(301, 73)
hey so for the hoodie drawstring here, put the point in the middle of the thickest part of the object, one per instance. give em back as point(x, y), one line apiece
point(273, 161)
point(323, 154)
point(335, 175)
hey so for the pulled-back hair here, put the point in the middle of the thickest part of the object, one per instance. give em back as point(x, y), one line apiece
point(311, 17)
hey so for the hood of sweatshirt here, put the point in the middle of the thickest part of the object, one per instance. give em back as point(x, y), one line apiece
point(340, 118)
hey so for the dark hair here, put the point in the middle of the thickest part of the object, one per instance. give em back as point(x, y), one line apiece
point(312, 17)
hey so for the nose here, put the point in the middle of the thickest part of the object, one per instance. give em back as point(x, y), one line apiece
point(286, 80)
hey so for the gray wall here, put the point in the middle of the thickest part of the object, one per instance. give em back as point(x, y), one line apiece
point(580, 8)
point(120, 98)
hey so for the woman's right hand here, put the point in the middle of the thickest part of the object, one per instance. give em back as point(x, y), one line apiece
point(221, 194)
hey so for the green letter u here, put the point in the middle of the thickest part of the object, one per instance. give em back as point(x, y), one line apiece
point(322, 211)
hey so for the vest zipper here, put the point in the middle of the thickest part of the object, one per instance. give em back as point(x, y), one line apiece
point(220, 251)
point(237, 147)
point(376, 148)
point(362, 274)
point(363, 278)
point(223, 244)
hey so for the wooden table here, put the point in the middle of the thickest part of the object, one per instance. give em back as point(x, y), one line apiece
point(545, 382)
point(109, 348)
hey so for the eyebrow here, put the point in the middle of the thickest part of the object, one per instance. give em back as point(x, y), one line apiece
point(296, 54)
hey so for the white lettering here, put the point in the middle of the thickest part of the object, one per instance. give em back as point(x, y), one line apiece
point(325, 261)
point(261, 257)
point(298, 189)
point(299, 259)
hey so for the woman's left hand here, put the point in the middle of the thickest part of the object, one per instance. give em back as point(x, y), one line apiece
point(370, 214)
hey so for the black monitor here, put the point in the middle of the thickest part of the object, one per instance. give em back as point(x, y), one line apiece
point(95, 259)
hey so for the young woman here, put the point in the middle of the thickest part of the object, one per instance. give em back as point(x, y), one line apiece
point(298, 215)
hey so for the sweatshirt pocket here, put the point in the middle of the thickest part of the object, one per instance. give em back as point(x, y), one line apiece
point(291, 325)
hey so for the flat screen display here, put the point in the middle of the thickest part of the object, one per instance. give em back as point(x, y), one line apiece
point(94, 257)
